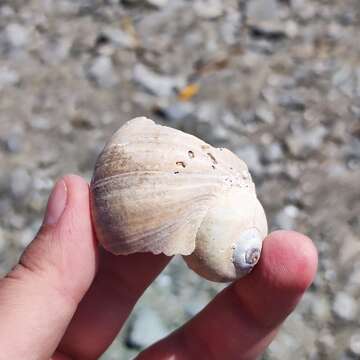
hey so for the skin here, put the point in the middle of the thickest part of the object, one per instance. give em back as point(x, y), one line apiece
point(68, 299)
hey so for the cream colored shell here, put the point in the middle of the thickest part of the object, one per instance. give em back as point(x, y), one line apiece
point(156, 189)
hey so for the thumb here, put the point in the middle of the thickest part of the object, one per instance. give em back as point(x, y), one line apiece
point(40, 295)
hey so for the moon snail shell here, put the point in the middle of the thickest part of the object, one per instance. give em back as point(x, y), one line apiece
point(157, 189)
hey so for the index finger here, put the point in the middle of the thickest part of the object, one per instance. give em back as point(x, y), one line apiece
point(243, 319)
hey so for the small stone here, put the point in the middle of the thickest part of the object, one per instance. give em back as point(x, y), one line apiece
point(14, 143)
point(263, 18)
point(264, 114)
point(119, 38)
point(262, 10)
point(304, 8)
point(20, 183)
point(291, 100)
point(283, 345)
point(354, 344)
point(103, 73)
point(156, 84)
point(208, 9)
point(303, 142)
point(42, 183)
point(176, 111)
point(2, 241)
point(17, 221)
point(291, 29)
point(273, 152)
point(16, 35)
point(286, 218)
point(146, 328)
point(320, 309)
point(163, 281)
point(57, 50)
point(5, 204)
point(250, 154)
point(25, 237)
point(157, 3)
point(196, 305)
point(326, 342)
point(345, 306)
point(231, 27)
point(8, 77)
point(6, 11)
point(40, 123)
point(347, 80)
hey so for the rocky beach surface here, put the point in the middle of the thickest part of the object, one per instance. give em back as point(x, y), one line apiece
point(275, 81)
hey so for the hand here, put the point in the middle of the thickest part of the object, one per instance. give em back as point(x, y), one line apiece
point(66, 299)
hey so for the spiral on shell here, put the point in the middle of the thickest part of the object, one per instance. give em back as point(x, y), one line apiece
point(157, 189)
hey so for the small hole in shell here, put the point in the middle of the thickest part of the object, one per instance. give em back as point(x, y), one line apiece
point(181, 163)
point(176, 172)
point(212, 157)
point(191, 154)
point(213, 166)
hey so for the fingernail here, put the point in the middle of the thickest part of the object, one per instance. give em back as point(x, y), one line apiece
point(56, 204)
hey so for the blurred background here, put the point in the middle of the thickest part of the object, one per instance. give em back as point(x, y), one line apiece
point(276, 81)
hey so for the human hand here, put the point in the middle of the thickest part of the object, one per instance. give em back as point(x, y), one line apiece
point(68, 299)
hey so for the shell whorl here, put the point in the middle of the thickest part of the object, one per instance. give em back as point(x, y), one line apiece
point(153, 186)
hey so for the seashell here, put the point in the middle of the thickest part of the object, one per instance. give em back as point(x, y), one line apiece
point(157, 189)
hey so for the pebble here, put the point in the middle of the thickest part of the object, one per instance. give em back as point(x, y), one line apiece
point(17, 35)
point(3, 242)
point(273, 152)
point(283, 345)
point(231, 27)
point(346, 80)
point(146, 328)
point(40, 123)
point(5, 203)
point(258, 11)
point(286, 218)
point(6, 11)
point(8, 77)
point(26, 236)
point(163, 281)
point(103, 73)
point(208, 9)
point(264, 114)
point(176, 111)
point(157, 3)
point(14, 143)
point(345, 306)
point(291, 100)
point(57, 51)
point(263, 17)
point(320, 309)
point(20, 183)
point(154, 83)
point(354, 344)
point(250, 154)
point(303, 142)
point(119, 38)
point(326, 343)
point(196, 305)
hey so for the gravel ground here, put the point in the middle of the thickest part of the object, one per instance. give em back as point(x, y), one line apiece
point(277, 82)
